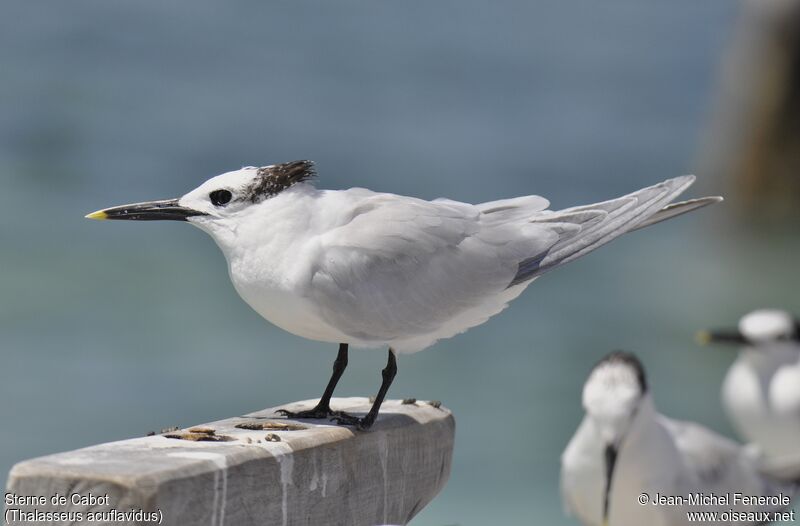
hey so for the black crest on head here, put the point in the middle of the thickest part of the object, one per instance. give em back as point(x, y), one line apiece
point(272, 180)
point(629, 359)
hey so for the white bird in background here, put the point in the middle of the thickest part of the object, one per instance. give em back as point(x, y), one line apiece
point(625, 448)
point(761, 392)
point(375, 269)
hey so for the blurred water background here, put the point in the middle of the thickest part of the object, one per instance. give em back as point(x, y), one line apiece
point(109, 331)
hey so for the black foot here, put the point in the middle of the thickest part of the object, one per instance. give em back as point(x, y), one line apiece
point(317, 413)
point(350, 420)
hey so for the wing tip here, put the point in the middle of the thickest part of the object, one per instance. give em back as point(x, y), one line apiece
point(686, 181)
point(682, 180)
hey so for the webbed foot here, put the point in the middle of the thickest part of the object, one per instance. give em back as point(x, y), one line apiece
point(362, 424)
point(316, 413)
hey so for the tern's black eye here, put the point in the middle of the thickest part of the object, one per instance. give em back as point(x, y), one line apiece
point(220, 197)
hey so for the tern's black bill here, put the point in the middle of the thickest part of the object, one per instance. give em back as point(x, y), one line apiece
point(166, 210)
point(732, 337)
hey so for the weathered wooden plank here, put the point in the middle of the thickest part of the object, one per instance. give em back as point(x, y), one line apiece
point(259, 468)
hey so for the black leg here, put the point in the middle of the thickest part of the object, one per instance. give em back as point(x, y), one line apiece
point(323, 408)
point(388, 374)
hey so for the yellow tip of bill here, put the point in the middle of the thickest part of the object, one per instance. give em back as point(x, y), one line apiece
point(99, 215)
point(702, 337)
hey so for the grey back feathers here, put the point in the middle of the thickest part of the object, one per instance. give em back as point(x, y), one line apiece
point(272, 180)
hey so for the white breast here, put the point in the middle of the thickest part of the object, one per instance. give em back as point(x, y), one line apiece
point(288, 311)
point(762, 397)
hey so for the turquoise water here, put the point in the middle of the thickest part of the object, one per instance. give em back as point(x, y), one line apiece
point(113, 330)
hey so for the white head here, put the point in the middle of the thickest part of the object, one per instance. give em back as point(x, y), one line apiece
point(612, 396)
point(612, 393)
point(221, 202)
point(768, 325)
point(758, 329)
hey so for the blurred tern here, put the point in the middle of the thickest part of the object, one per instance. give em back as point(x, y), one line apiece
point(376, 269)
point(761, 392)
point(624, 450)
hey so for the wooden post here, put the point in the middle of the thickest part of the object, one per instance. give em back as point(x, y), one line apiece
point(258, 468)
